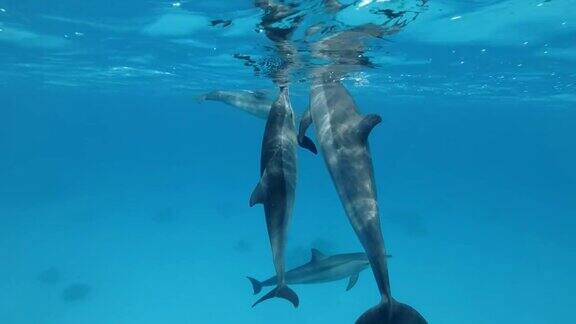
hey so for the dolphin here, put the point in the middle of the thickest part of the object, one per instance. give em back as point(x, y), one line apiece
point(320, 269)
point(343, 137)
point(256, 103)
point(277, 185)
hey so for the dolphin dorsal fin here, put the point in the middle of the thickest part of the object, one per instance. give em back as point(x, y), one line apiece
point(366, 125)
point(259, 193)
point(317, 255)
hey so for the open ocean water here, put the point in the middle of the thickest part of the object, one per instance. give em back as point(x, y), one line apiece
point(124, 198)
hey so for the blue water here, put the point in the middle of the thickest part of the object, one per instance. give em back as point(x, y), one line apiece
point(117, 183)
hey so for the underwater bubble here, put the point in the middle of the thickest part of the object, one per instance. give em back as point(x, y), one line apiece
point(76, 292)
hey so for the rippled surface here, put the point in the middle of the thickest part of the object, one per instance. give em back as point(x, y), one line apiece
point(477, 48)
point(123, 199)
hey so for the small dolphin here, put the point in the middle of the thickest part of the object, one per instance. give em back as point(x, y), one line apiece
point(256, 103)
point(277, 186)
point(343, 136)
point(322, 268)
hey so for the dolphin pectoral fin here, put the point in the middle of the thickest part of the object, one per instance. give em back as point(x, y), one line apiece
point(308, 144)
point(258, 195)
point(256, 285)
point(283, 292)
point(367, 124)
point(316, 255)
point(352, 282)
point(303, 140)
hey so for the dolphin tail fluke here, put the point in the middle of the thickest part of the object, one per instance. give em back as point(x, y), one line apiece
point(397, 313)
point(283, 292)
point(256, 285)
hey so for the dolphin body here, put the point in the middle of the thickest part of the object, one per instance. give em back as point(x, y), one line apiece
point(320, 269)
point(256, 103)
point(276, 189)
point(343, 137)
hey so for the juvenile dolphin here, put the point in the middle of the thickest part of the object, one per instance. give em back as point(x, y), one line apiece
point(277, 186)
point(343, 137)
point(322, 268)
point(256, 103)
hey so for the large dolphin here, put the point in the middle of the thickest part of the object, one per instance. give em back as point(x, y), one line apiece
point(322, 268)
point(343, 137)
point(277, 186)
point(256, 103)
